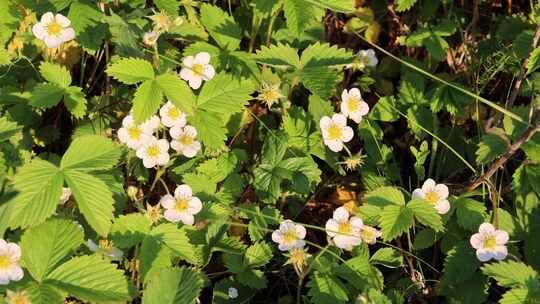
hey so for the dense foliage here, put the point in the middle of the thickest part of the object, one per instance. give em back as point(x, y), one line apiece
point(269, 151)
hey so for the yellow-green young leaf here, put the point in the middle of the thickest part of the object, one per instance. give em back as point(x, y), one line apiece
point(388, 257)
point(43, 293)
point(147, 100)
point(75, 101)
point(395, 220)
point(520, 296)
point(170, 6)
point(94, 199)
point(404, 5)
point(153, 257)
point(128, 230)
point(56, 74)
point(39, 186)
point(280, 55)
point(46, 95)
point(4, 57)
point(8, 128)
point(221, 27)
point(426, 214)
point(384, 196)
point(131, 70)
point(257, 255)
point(324, 55)
point(511, 273)
point(225, 95)
point(177, 92)
point(174, 285)
point(91, 279)
point(210, 127)
point(55, 239)
point(90, 153)
point(177, 239)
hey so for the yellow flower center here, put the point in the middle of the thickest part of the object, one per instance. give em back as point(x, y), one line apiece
point(173, 113)
point(186, 140)
point(18, 298)
point(153, 151)
point(353, 105)
point(432, 197)
point(335, 132)
point(134, 132)
point(490, 243)
point(198, 69)
point(54, 28)
point(290, 236)
point(5, 261)
point(367, 234)
point(344, 228)
point(181, 205)
point(105, 244)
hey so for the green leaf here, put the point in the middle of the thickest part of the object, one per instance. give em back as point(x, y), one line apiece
point(395, 220)
point(489, 148)
point(55, 74)
point(388, 257)
point(470, 213)
point(319, 80)
point(384, 196)
point(178, 241)
point(94, 199)
point(258, 255)
point(177, 92)
point(147, 100)
point(39, 184)
point(280, 55)
point(384, 110)
point(92, 279)
point(520, 296)
point(75, 102)
point(169, 6)
point(460, 263)
point(426, 214)
point(326, 289)
point(324, 55)
point(424, 239)
point(4, 57)
point(210, 129)
point(299, 13)
point(341, 6)
point(534, 60)
point(8, 128)
point(225, 95)
point(174, 285)
point(91, 153)
point(221, 26)
point(55, 239)
point(131, 70)
point(404, 5)
point(153, 257)
point(511, 273)
point(43, 294)
point(46, 95)
point(128, 230)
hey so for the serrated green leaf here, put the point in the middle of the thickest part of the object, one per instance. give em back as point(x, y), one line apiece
point(225, 95)
point(342, 6)
point(460, 263)
point(490, 147)
point(169, 6)
point(131, 70)
point(177, 92)
point(395, 220)
point(75, 102)
point(321, 81)
point(221, 26)
point(470, 213)
point(385, 196)
point(94, 199)
point(280, 55)
point(388, 257)
point(257, 255)
point(298, 13)
point(404, 5)
point(128, 230)
point(325, 55)
point(178, 241)
point(426, 214)
point(153, 257)
point(39, 184)
point(43, 294)
point(55, 239)
point(174, 285)
point(147, 100)
point(210, 129)
point(520, 296)
point(424, 239)
point(46, 95)
point(91, 278)
point(91, 153)
point(511, 273)
point(325, 289)
point(8, 128)
point(55, 74)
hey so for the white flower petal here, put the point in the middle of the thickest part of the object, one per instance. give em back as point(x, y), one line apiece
point(484, 255)
point(188, 61)
point(195, 205)
point(183, 192)
point(172, 215)
point(39, 31)
point(356, 223)
point(477, 241)
point(62, 20)
point(355, 93)
point(47, 18)
point(348, 134)
point(500, 253)
point(501, 237)
point(418, 193)
point(428, 186)
point(186, 74)
point(300, 232)
point(187, 218)
point(92, 246)
point(339, 119)
point(442, 206)
point(334, 145)
point(341, 215)
point(52, 42)
point(148, 162)
point(67, 34)
point(167, 201)
point(195, 82)
point(442, 191)
point(14, 251)
point(486, 229)
point(325, 122)
point(277, 237)
point(202, 58)
point(191, 150)
point(332, 227)
point(209, 72)
point(15, 273)
point(364, 108)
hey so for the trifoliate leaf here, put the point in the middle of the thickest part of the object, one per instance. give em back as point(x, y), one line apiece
point(131, 70)
point(92, 279)
point(174, 285)
point(55, 239)
point(395, 220)
point(39, 185)
point(511, 273)
point(221, 26)
point(147, 100)
point(55, 74)
point(94, 199)
point(91, 153)
point(426, 214)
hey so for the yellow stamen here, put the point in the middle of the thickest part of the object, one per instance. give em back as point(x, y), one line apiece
point(5, 261)
point(344, 228)
point(105, 244)
point(134, 132)
point(153, 151)
point(54, 28)
point(432, 197)
point(367, 234)
point(181, 205)
point(186, 140)
point(490, 243)
point(198, 69)
point(290, 236)
point(353, 105)
point(335, 132)
point(173, 113)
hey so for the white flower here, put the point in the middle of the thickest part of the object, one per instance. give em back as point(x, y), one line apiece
point(489, 243)
point(105, 248)
point(154, 152)
point(66, 194)
point(364, 58)
point(289, 235)
point(10, 254)
point(344, 231)
point(150, 38)
point(184, 140)
point(335, 131)
point(171, 116)
point(369, 234)
point(182, 206)
point(53, 30)
point(233, 293)
point(196, 69)
point(434, 194)
point(134, 135)
point(352, 105)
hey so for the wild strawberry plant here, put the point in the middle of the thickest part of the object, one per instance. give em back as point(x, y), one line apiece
point(269, 151)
